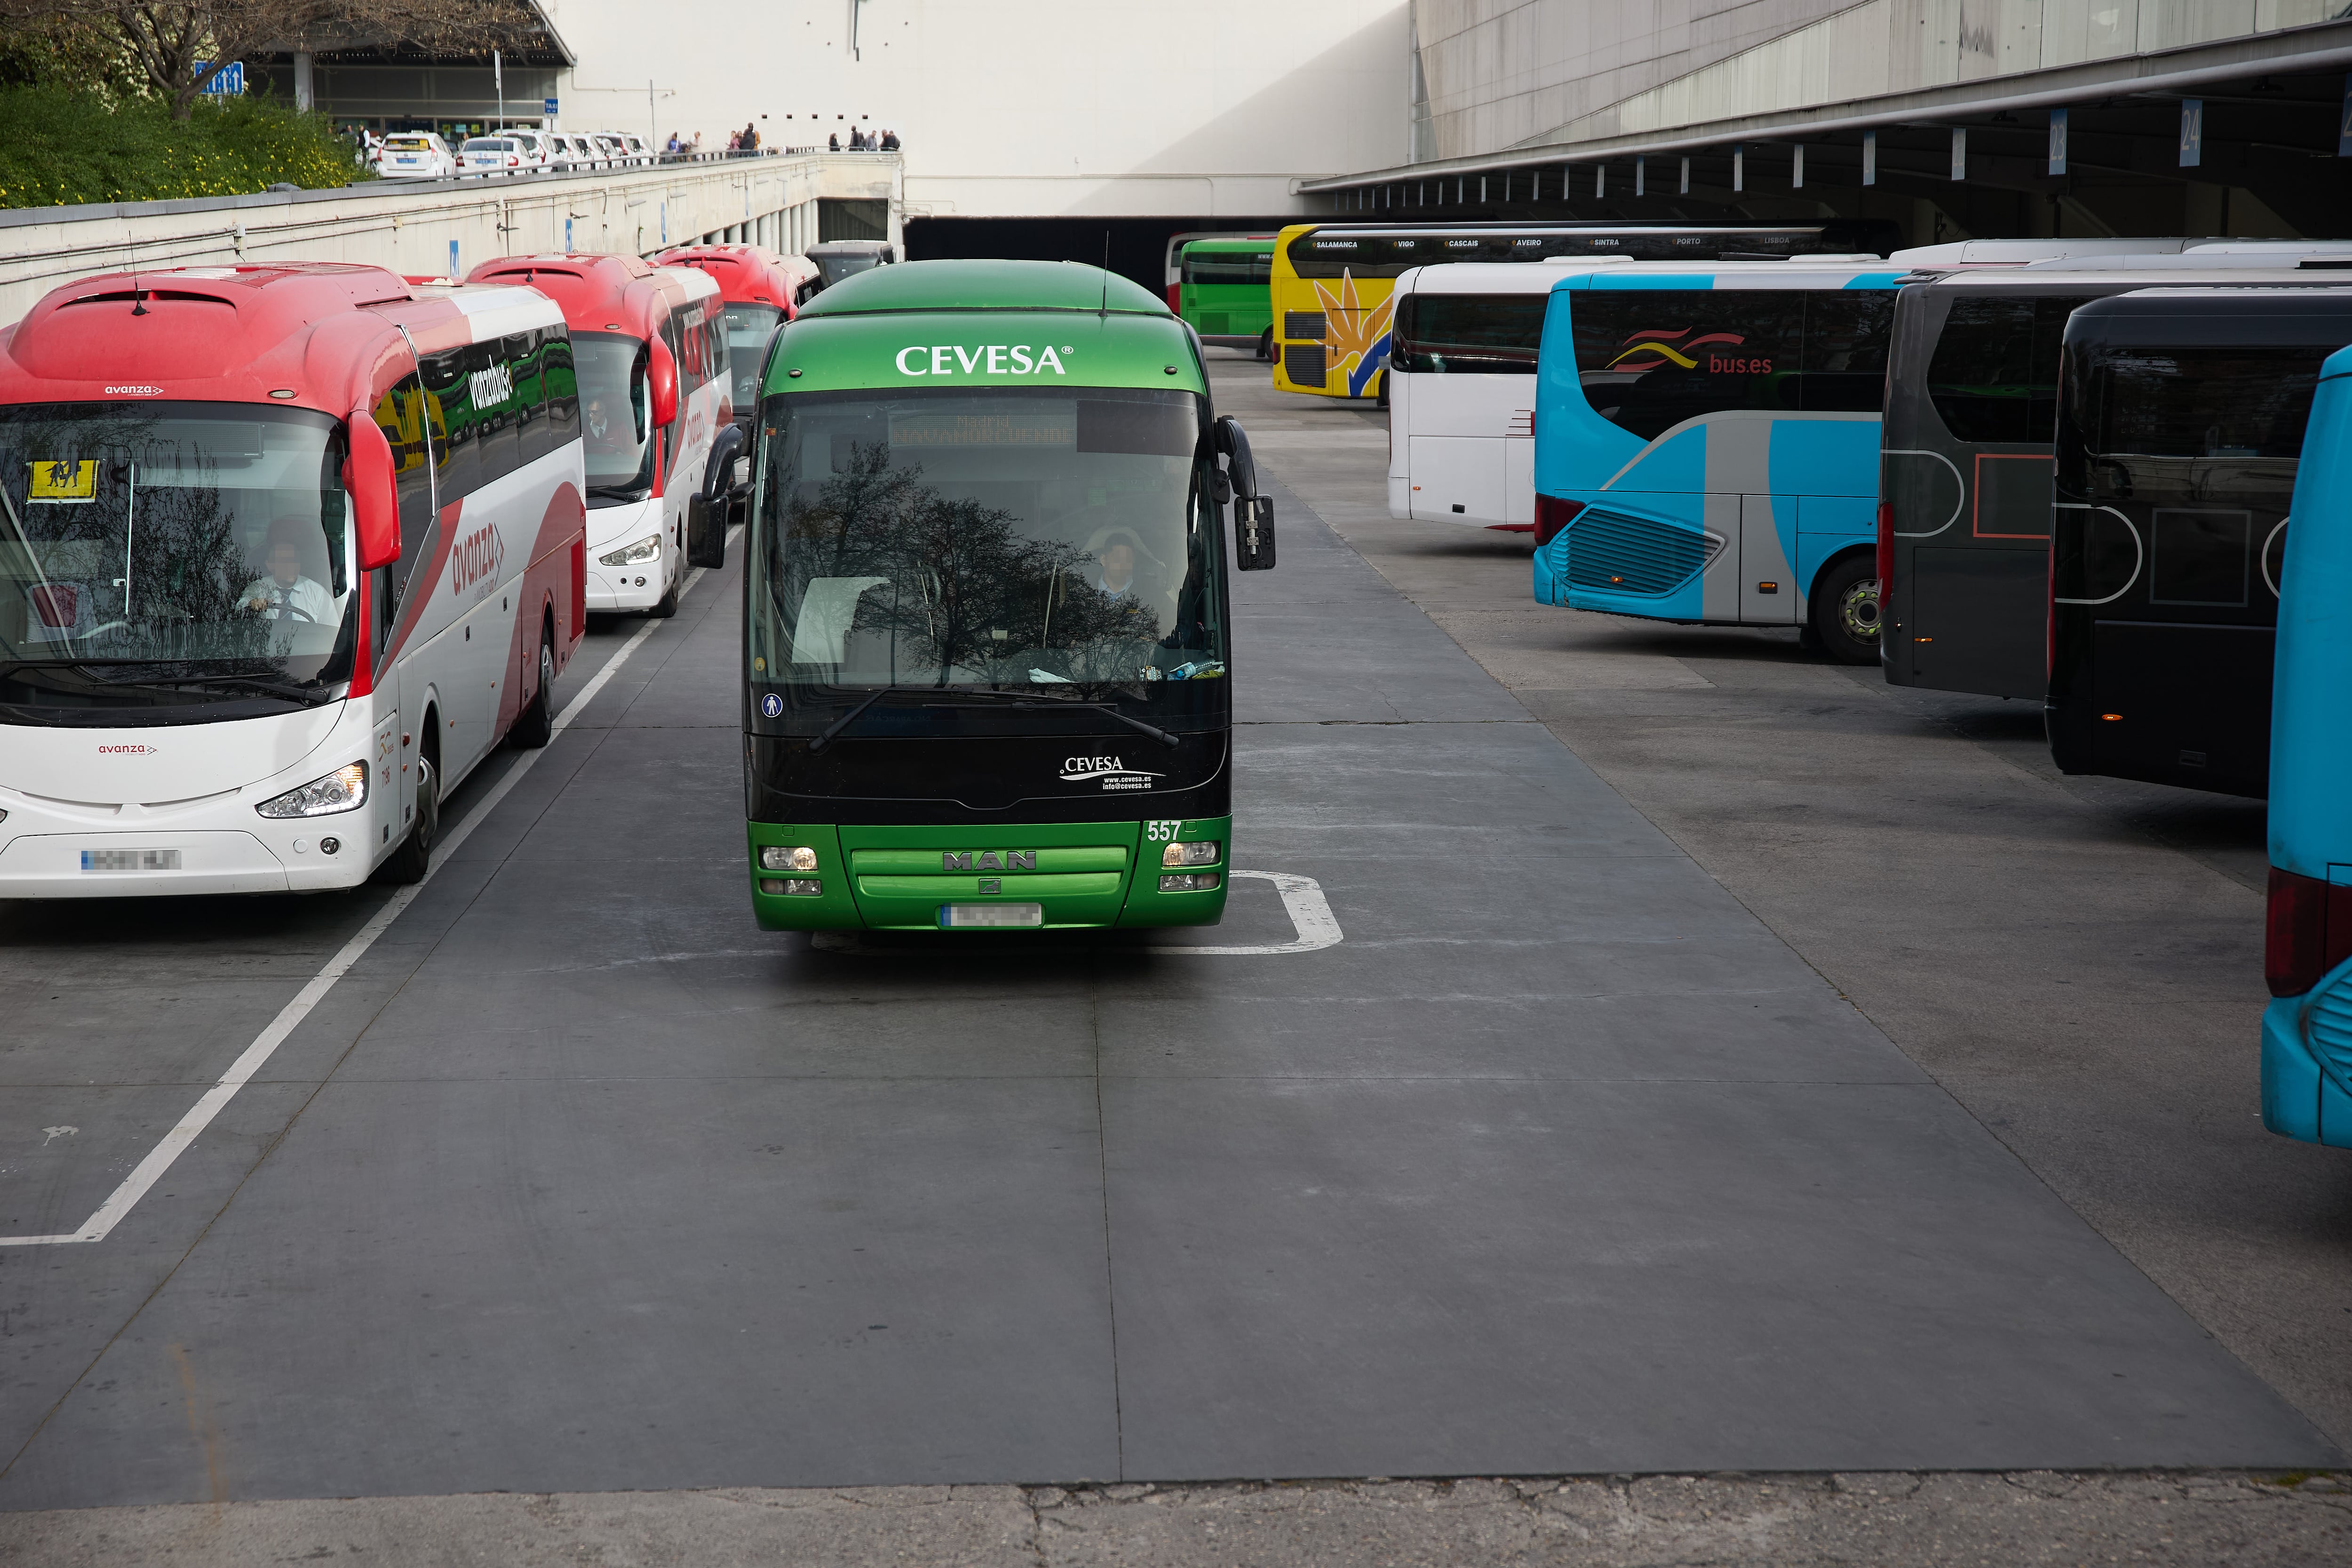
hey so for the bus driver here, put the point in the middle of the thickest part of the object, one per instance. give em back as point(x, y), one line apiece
point(1114, 571)
point(286, 590)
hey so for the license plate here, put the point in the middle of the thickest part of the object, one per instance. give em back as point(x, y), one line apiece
point(129, 859)
point(954, 914)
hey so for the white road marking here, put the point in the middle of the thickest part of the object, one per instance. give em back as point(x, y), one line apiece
point(1302, 896)
point(159, 1159)
point(1310, 916)
point(57, 1133)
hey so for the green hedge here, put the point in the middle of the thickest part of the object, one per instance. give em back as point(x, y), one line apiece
point(60, 147)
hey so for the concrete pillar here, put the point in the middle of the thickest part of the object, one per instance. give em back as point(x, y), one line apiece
point(304, 98)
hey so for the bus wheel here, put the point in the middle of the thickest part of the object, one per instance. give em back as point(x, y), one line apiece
point(1845, 611)
point(667, 606)
point(535, 726)
point(409, 862)
point(1384, 391)
point(1266, 345)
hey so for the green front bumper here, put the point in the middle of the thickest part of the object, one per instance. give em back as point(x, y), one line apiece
point(1079, 874)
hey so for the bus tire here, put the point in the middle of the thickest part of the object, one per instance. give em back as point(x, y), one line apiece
point(535, 725)
point(1384, 391)
point(1845, 609)
point(666, 605)
point(413, 857)
point(1266, 345)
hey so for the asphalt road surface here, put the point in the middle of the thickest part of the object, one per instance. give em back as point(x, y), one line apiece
point(1692, 1088)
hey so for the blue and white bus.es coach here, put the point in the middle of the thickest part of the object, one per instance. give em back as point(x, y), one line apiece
point(1707, 445)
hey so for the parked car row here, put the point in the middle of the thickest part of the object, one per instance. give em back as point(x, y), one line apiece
point(423, 155)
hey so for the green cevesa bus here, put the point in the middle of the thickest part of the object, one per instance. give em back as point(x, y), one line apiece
point(988, 683)
point(1225, 293)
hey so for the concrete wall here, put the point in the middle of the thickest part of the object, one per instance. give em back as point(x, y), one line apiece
point(1540, 72)
point(1025, 107)
point(412, 229)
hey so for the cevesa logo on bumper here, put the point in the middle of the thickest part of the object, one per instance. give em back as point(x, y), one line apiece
point(1110, 771)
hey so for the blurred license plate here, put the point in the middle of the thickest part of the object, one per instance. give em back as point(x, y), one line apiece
point(129, 859)
point(992, 914)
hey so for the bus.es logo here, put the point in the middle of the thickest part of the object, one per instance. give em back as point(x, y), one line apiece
point(490, 387)
point(476, 558)
point(1653, 350)
point(983, 359)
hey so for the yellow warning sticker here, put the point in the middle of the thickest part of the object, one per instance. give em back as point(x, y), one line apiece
point(65, 481)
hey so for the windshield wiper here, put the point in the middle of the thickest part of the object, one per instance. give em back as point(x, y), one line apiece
point(824, 737)
point(618, 492)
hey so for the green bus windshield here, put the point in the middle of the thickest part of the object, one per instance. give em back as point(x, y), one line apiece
point(1058, 540)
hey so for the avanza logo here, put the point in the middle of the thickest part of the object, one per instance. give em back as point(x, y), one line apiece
point(982, 358)
point(476, 557)
point(490, 387)
point(134, 749)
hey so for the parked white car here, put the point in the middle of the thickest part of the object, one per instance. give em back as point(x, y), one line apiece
point(610, 148)
point(415, 155)
point(641, 151)
point(539, 150)
point(575, 150)
point(488, 155)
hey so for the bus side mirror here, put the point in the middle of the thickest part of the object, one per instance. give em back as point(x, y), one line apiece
point(372, 482)
point(661, 380)
point(1253, 533)
point(1235, 447)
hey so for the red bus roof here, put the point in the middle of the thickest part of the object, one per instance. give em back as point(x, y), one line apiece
point(746, 273)
point(601, 293)
point(321, 335)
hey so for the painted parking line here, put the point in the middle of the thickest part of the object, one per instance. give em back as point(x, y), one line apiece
point(1302, 898)
point(159, 1159)
point(1310, 916)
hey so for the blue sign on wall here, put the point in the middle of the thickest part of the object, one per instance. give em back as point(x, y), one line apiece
point(548, 105)
point(2057, 142)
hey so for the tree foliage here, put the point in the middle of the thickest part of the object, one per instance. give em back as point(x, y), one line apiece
point(60, 146)
point(175, 46)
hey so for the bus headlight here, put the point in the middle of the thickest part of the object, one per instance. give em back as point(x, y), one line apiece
point(1202, 852)
point(776, 857)
point(344, 790)
point(645, 548)
point(1191, 882)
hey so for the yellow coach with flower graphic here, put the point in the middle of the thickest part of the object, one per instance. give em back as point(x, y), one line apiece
point(1334, 285)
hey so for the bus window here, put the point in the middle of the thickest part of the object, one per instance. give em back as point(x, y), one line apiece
point(1436, 333)
point(1844, 367)
point(1650, 359)
point(2204, 402)
point(200, 547)
point(562, 390)
point(1994, 375)
point(749, 327)
point(403, 415)
point(616, 416)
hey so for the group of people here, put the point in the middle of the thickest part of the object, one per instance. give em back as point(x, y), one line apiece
point(859, 142)
point(680, 144)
